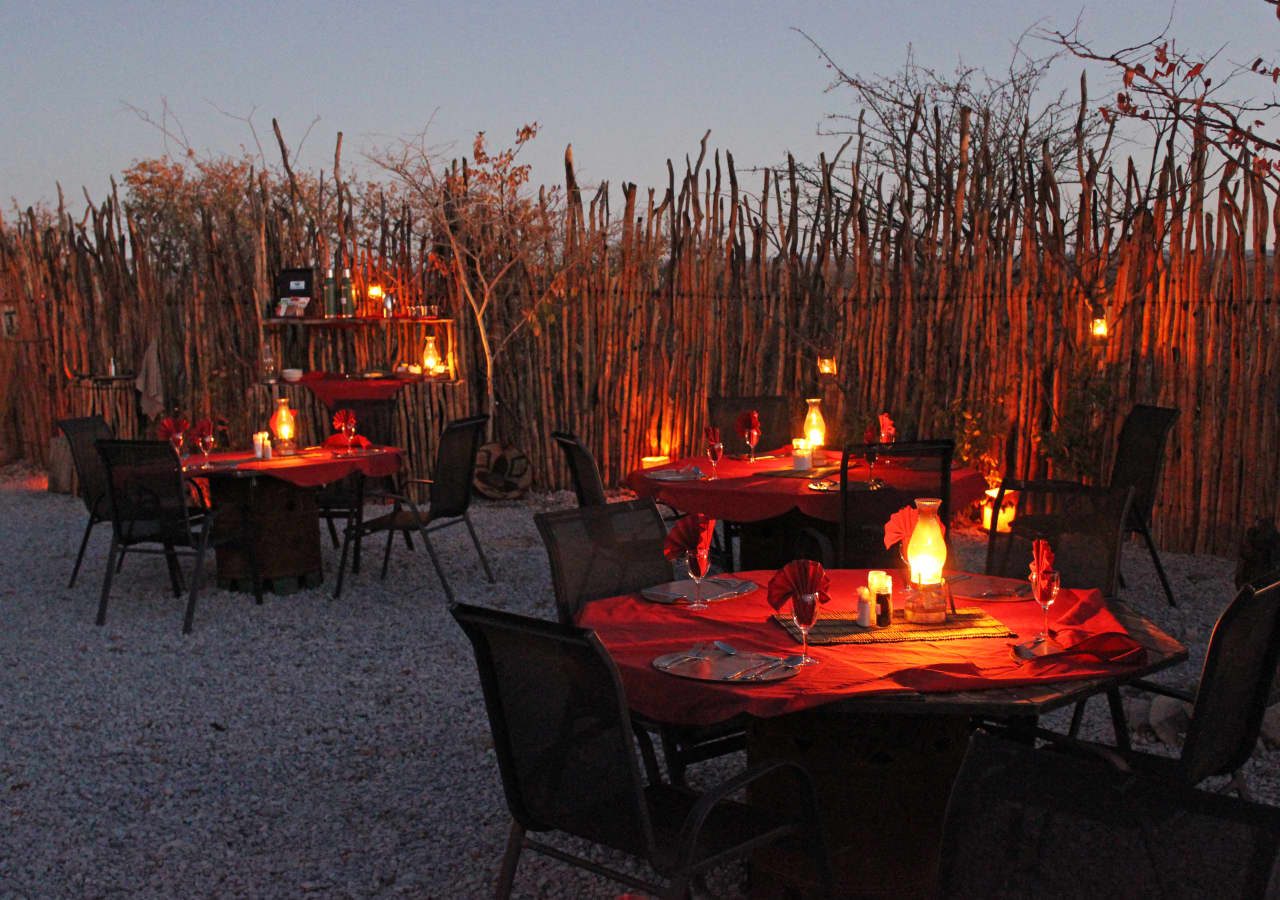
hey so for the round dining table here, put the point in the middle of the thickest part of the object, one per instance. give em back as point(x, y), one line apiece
point(881, 727)
point(268, 509)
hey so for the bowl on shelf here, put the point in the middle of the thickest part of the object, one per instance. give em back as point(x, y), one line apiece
point(291, 375)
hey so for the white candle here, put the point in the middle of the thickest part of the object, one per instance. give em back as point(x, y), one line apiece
point(801, 454)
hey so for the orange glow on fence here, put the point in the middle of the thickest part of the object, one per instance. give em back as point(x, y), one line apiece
point(652, 462)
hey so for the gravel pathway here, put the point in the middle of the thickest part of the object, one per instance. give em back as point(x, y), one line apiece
point(306, 746)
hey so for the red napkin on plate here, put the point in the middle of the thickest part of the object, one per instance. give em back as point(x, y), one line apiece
point(748, 421)
point(900, 526)
point(1041, 558)
point(693, 532)
point(339, 442)
point(172, 426)
point(342, 418)
point(887, 427)
point(711, 434)
point(800, 576)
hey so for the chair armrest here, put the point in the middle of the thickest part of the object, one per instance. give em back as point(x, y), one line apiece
point(1086, 749)
point(717, 794)
point(419, 481)
point(1153, 687)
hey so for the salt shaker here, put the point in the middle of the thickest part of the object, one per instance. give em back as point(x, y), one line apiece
point(864, 608)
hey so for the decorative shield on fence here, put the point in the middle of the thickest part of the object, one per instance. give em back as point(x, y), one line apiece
point(502, 473)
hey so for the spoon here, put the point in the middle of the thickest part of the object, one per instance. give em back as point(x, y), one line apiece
point(726, 649)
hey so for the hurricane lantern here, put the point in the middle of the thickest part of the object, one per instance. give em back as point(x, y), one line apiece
point(1098, 326)
point(284, 427)
point(815, 427)
point(927, 549)
point(827, 365)
point(375, 292)
point(430, 356)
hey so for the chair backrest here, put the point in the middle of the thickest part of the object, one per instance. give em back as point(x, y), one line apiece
point(375, 419)
point(861, 539)
point(776, 414)
point(1085, 526)
point(1235, 684)
point(82, 434)
point(587, 483)
point(560, 727)
point(145, 489)
point(456, 466)
point(602, 551)
point(1023, 822)
point(1140, 454)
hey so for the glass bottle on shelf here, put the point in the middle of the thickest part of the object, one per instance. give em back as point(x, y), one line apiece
point(330, 294)
point(346, 296)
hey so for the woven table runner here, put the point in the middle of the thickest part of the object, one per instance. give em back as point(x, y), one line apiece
point(967, 622)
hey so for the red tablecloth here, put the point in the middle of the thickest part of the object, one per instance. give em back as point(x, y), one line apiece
point(310, 468)
point(742, 493)
point(636, 631)
point(332, 389)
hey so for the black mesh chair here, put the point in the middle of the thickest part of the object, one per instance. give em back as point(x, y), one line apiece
point(375, 420)
point(449, 494)
point(860, 540)
point(602, 551)
point(1235, 686)
point(82, 435)
point(1139, 463)
point(775, 421)
point(587, 483)
point(149, 505)
point(1084, 525)
point(568, 759)
point(605, 551)
point(1023, 822)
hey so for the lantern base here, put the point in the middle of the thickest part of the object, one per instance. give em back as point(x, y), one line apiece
point(928, 604)
point(284, 448)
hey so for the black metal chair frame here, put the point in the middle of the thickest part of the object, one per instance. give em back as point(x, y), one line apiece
point(81, 434)
point(587, 483)
point(188, 529)
point(1040, 785)
point(407, 516)
point(633, 801)
point(1201, 757)
point(1136, 466)
point(681, 746)
point(941, 449)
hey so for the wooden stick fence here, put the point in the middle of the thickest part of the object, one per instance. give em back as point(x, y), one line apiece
point(973, 293)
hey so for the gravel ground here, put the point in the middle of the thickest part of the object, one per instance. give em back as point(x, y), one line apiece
point(304, 746)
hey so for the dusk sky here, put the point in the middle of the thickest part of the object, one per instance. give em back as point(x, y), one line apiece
point(629, 85)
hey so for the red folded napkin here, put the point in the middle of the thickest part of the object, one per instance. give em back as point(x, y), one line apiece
point(888, 431)
point(1041, 558)
point(800, 576)
point(693, 532)
point(171, 427)
point(711, 434)
point(342, 418)
point(202, 428)
point(900, 526)
point(339, 442)
point(749, 421)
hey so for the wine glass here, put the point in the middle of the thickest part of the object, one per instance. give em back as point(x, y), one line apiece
point(349, 429)
point(205, 443)
point(887, 437)
point(270, 371)
point(804, 612)
point(697, 561)
point(715, 450)
point(872, 456)
point(753, 438)
point(1045, 589)
point(175, 441)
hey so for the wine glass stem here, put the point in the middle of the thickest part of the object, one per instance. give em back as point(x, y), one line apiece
point(1046, 624)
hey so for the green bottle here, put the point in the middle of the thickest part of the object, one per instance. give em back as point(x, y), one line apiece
point(330, 295)
point(346, 296)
